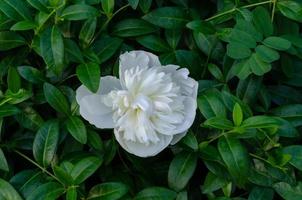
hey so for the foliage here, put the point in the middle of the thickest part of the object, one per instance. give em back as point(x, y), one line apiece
point(245, 142)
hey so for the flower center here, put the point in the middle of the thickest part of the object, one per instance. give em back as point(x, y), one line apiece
point(149, 104)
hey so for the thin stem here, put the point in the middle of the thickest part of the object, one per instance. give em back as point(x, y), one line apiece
point(264, 160)
point(234, 9)
point(274, 8)
point(220, 135)
point(37, 165)
point(107, 22)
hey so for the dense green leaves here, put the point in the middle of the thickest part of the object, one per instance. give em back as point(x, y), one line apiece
point(108, 191)
point(155, 193)
point(133, 27)
point(10, 40)
point(79, 12)
point(7, 191)
point(289, 192)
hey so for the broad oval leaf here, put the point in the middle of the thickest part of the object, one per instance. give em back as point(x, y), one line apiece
point(85, 168)
point(8, 110)
point(77, 129)
point(8, 192)
point(168, 17)
point(55, 98)
point(236, 158)
point(107, 191)
point(267, 54)
point(89, 74)
point(262, 21)
point(10, 40)
point(289, 192)
point(132, 28)
point(79, 12)
point(260, 122)
point(157, 193)
point(277, 43)
point(31, 74)
point(181, 170)
point(47, 191)
point(154, 43)
point(295, 151)
point(15, 9)
point(45, 143)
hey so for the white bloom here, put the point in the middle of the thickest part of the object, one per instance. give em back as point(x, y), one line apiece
point(150, 107)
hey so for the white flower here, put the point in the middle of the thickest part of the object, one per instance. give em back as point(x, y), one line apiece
point(150, 107)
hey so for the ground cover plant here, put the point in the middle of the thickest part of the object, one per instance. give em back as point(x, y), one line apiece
point(245, 142)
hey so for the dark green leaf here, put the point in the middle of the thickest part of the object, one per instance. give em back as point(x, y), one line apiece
point(262, 21)
point(85, 168)
point(295, 151)
point(31, 74)
point(154, 43)
point(89, 74)
point(157, 193)
point(289, 192)
point(290, 9)
point(238, 51)
point(181, 170)
point(15, 9)
point(87, 31)
point(45, 143)
point(40, 5)
point(210, 104)
point(168, 17)
point(23, 25)
point(133, 3)
point(77, 129)
point(13, 80)
point(261, 193)
point(108, 6)
point(292, 113)
point(79, 12)
point(132, 27)
point(267, 54)
point(10, 40)
point(277, 43)
point(8, 192)
point(8, 110)
point(105, 47)
point(3, 162)
point(260, 122)
point(47, 191)
point(55, 98)
point(201, 26)
point(219, 123)
point(236, 158)
point(107, 191)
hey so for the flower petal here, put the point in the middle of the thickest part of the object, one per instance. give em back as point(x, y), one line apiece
point(132, 59)
point(181, 77)
point(178, 137)
point(141, 149)
point(91, 105)
point(189, 115)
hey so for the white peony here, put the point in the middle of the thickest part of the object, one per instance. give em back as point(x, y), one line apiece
point(149, 107)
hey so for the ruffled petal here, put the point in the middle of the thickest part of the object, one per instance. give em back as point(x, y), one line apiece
point(141, 149)
point(181, 77)
point(189, 115)
point(140, 59)
point(92, 107)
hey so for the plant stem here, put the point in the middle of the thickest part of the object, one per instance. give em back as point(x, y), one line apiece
point(234, 9)
point(274, 8)
point(37, 165)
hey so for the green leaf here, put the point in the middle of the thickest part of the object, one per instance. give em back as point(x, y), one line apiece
point(3, 162)
point(262, 21)
point(238, 51)
point(108, 6)
point(94, 140)
point(291, 112)
point(212, 183)
point(243, 38)
point(219, 123)
point(85, 168)
point(289, 192)
point(8, 192)
point(267, 54)
point(290, 9)
point(173, 37)
point(181, 170)
point(15, 9)
point(107, 191)
point(133, 3)
point(23, 25)
point(236, 158)
point(295, 151)
point(47, 191)
point(31, 74)
point(30, 119)
point(260, 122)
point(157, 193)
point(261, 193)
point(40, 5)
point(55, 98)
point(168, 17)
point(73, 52)
point(277, 43)
point(105, 47)
point(190, 141)
point(52, 49)
point(210, 104)
point(87, 31)
point(79, 12)
point(248, 27)
point(62, 175)
point(77, 129)
point(248, 89)
point(8, 110)
point(154, 43)
point(89, 74)
point(13, 80)
point(45, 143)
point(257, 66)
point(237, 115)
point(132, 28)
point(215, 71)
point(10, 40)
point(201, 26)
